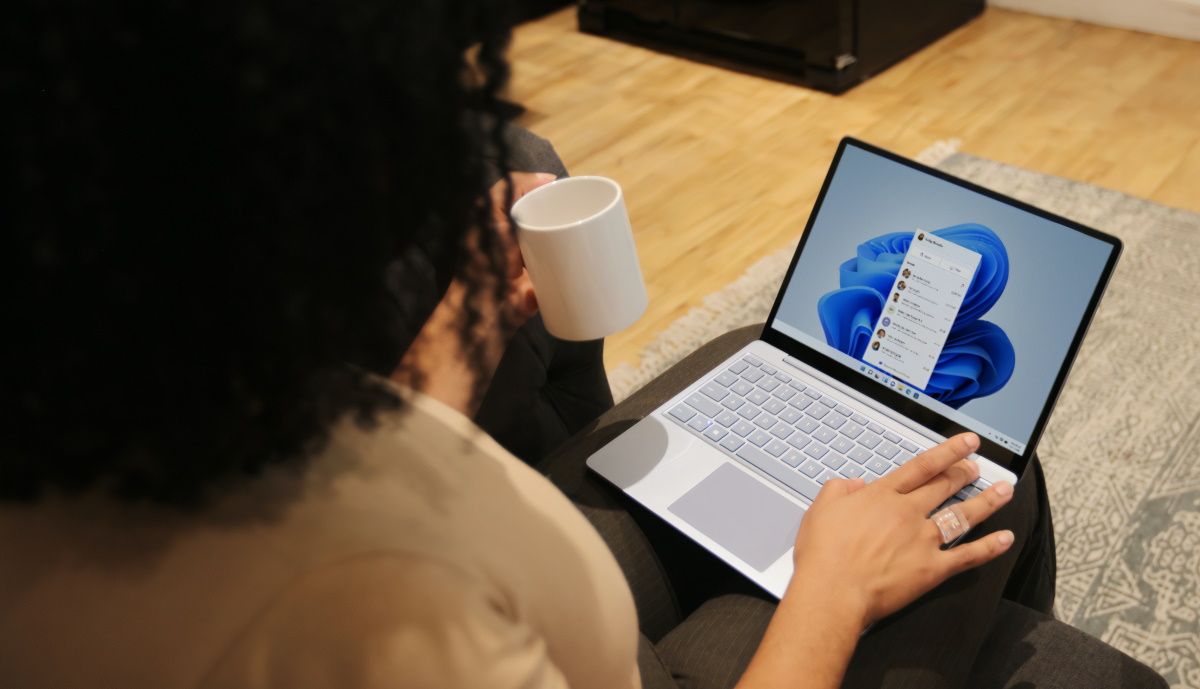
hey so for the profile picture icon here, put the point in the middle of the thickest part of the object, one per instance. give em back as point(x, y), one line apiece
point(886, 321)
point(896, 297)
point(875, 345)
point(920, 236)
point(901, 285)
point(881, 333)
point(906, 273)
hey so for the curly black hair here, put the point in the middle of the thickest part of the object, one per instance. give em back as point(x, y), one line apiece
point(208, 203)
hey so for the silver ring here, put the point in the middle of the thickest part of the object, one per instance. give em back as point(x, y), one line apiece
point(951, 522)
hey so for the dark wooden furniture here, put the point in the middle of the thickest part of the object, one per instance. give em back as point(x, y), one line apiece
point(827, 44)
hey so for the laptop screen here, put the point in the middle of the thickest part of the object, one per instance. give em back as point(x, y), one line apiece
point(963, 303)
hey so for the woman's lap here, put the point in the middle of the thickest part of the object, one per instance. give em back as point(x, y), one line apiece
point(701, 621)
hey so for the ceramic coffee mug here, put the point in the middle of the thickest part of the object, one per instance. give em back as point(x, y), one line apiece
point(578, 245)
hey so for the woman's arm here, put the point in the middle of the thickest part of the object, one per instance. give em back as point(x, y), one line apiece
point(864, 552)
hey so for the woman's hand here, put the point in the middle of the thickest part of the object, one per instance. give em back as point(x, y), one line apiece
point(521, 301)
point(865, 551)
point(446, 360)
point(873, 548)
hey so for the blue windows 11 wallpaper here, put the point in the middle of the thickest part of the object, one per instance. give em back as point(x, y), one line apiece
point(978, 357)
point(970, 302)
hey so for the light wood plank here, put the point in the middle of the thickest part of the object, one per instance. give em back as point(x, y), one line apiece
point(721, 168)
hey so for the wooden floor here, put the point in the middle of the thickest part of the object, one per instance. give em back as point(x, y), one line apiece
point(720, 168)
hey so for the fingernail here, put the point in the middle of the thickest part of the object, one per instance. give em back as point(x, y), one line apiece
point(1005, 538)
point(972, 441)
point(546, 176)
point(1003, 489)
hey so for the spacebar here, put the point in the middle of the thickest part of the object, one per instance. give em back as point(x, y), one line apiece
point(780, 471)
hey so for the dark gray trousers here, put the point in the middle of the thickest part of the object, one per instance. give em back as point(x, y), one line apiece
point(701, 621)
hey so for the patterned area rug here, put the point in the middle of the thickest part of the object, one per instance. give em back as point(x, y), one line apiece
point(1122, 451)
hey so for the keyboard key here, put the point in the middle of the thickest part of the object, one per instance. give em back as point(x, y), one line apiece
point(842, 444)
point(971, 490)
point(769, 370)
point(683, 412)
point(828, 401)
point(887, 450)
point(780, 472)
point(715, 433)
point(733, 402)
point(768, 384)
point(797, 386)
point(775, 448)
point(807, 425)
point(749, 411)
point(752, 360)
point(812, 468)
point(812, 393)
point(714, 392)
point(757, 397)
point(752, 374)
point(798, 440)
point(726, 419)
point(816, 450)
point(784, 393)
point(782, 430)
point(732, 442)
point(783, 378)
point(842, 409)
point(765, 421)
point(758, 438)
point(834, 420)
point(823, 434)
point(869, 440)
point(891, 437)
point(902, 458)
point(699, 423)
point(879, 466)
point(726, 378)
point(742, 428)
point(852, 430)
point(859, 419)
point(738, 366)
point(792, 457)
point(875, 428)
point(704, 405)
point(851, 470)
point(774, 406)
point(910, 447)
point(860, 455)
point(790, 415)
point(817, 411)
point(833, 460)
point(742, 388)
point(825, 476)
point(800, 402)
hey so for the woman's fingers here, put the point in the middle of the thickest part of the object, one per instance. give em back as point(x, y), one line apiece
point(939, 488)
point(975, 510)
point(975, 553)
point(930, 463)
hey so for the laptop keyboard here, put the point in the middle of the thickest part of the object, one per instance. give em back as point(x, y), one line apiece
point(793, 432)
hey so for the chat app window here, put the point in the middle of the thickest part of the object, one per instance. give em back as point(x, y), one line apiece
point(920, 309)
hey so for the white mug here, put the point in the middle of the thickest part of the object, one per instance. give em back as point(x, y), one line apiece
point(578, 245)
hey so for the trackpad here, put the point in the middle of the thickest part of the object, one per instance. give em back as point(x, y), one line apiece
point(744, 516)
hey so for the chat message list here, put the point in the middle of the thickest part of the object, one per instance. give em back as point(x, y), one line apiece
point(920, 309)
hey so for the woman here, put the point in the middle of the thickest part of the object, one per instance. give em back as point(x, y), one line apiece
point(212, 485)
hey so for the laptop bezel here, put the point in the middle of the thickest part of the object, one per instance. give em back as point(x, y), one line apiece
point(1015, 462)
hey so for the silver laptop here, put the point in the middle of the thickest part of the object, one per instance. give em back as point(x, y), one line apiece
point(917, 306)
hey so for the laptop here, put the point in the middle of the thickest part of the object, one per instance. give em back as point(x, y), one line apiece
point(917, 306)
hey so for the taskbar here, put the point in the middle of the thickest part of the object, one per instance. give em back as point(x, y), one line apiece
point(889, 381)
